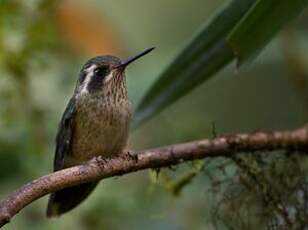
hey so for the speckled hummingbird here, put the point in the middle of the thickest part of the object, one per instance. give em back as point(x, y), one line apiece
point(95, 123)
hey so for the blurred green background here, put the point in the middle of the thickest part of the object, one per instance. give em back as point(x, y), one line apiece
point(43, 45)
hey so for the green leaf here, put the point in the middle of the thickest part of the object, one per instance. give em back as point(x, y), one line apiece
point(240, 29)
point(206, 54)
point(260, 25)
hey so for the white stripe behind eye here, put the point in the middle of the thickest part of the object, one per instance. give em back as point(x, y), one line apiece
point(84, 86)
point(91, 68)
point(89, 71)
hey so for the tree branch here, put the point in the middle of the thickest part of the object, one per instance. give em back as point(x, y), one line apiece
point(132, 161)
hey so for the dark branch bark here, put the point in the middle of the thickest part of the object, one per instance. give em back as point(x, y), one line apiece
point(98, 169)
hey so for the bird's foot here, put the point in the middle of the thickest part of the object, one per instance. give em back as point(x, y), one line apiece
point(131, 156)
point(100, 160)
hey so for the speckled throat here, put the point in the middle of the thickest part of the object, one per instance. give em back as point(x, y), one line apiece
point(102, 121)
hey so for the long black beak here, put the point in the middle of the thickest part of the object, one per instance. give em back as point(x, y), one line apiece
point(134, 58)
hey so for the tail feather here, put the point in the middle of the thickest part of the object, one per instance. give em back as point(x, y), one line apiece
point(65, 200)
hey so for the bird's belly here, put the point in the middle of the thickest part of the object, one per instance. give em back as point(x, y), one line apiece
point(100, 132)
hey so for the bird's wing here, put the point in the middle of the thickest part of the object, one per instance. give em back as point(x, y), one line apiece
point(64, 135)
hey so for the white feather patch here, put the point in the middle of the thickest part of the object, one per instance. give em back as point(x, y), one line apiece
point(109, 76)
point(84, 88)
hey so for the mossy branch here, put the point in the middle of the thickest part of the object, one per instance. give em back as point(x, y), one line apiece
point(98, 168)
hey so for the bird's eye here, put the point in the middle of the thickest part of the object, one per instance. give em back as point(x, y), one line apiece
point(101, 71)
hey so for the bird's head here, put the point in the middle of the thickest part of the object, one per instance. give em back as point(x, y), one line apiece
point(102, 71)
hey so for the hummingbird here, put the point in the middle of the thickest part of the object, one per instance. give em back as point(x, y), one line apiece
point(95, 123)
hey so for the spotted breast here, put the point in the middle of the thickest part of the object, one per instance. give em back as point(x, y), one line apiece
point(103, 125)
